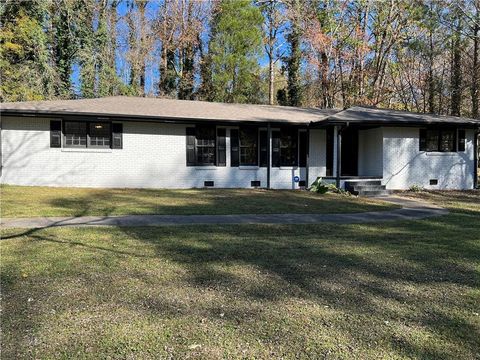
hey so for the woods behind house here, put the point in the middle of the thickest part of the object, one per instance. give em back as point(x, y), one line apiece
point(402, 54)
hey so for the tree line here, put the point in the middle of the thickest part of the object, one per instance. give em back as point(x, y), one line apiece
point(419, 55)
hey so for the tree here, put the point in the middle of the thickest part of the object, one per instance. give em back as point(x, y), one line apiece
point(295, 56)
point(64, 42)
point(166, 29)
point(26, 72)
point(456, 69)
point(234, 51)
point(275, 19)
point(140, 41)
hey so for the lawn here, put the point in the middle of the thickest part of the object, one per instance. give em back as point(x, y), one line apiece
point(392, 290)
point(28, 201)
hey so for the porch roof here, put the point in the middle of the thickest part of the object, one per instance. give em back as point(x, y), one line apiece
point(369, 116)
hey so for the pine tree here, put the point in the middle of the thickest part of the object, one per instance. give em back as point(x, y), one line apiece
point(294, 59)
point(234, 51)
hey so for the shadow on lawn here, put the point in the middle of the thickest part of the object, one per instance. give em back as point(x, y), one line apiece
point(305, 262)
point(78, 202)
point(360, 270)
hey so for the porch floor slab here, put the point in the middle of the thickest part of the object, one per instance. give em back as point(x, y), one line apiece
point(411, 210)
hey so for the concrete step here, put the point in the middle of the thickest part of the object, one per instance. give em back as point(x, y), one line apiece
point(372, 193)
point(363, 182)
point(368, 187)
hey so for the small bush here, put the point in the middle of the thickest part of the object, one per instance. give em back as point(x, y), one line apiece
point(415, 188)
point(321, 187)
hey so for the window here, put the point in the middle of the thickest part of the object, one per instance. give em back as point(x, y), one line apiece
point(75, 134)
point(92, 134)
point(442, 140)
point(99, 134)
point(201, 146)
point(447, 140)
point(432, 140)
point(248, 146)
point(288, 147)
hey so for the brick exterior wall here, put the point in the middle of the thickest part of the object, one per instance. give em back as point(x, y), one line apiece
point(153, 156)
point(404, 165)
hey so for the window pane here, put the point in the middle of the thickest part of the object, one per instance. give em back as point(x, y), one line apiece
point(75, 133)
point(248, 146)
point(288, 147)
point(447, 140)
point(432, 140)
point(99, 134)
point(205, 145)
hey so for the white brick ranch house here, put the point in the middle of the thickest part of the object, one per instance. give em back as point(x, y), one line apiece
point(160, 143)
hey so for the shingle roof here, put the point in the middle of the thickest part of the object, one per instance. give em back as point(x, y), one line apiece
point(139, 108)
point(375, 116)
point(155, 108)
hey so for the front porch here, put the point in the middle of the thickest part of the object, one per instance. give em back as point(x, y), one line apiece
point(354, 155)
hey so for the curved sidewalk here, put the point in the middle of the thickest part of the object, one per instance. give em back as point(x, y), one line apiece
point(411, 210)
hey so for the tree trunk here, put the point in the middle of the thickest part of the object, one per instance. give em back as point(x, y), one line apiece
point(431, 82)
point(475, 73)
point(271, 81)
point(293, 63)
point(456, 74)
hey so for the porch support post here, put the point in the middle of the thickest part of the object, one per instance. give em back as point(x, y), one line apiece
point(476, 135)
point(269, 146)
point(339, 155)
point(307, 165)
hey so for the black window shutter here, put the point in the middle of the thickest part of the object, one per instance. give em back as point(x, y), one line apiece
point(423, 139)
point(234, 148)
point(190, 146)
point(117, 136)
point(55, 133)
point(275, 148)
point(461, 140)
point(303, 139)
point(263, 148)
point(221, 148)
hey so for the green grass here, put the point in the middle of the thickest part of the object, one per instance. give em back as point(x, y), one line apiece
point(391, 290)
point(25, 201)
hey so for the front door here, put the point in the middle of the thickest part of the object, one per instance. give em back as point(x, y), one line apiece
point(349, 163)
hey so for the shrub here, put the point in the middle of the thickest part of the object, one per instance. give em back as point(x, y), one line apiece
point(415, 188)
point(321, 187)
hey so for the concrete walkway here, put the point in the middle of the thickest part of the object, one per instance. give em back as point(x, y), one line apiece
point(410, 210)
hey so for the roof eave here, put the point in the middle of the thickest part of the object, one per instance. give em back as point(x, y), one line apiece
point(332, 122)
point(143, 118)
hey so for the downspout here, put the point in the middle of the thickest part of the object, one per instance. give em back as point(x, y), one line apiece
point(307, 165)
point(269, 144)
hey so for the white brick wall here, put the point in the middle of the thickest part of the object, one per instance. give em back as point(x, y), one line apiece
point(153, 156)
point(404, 165)
point(370, 152)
